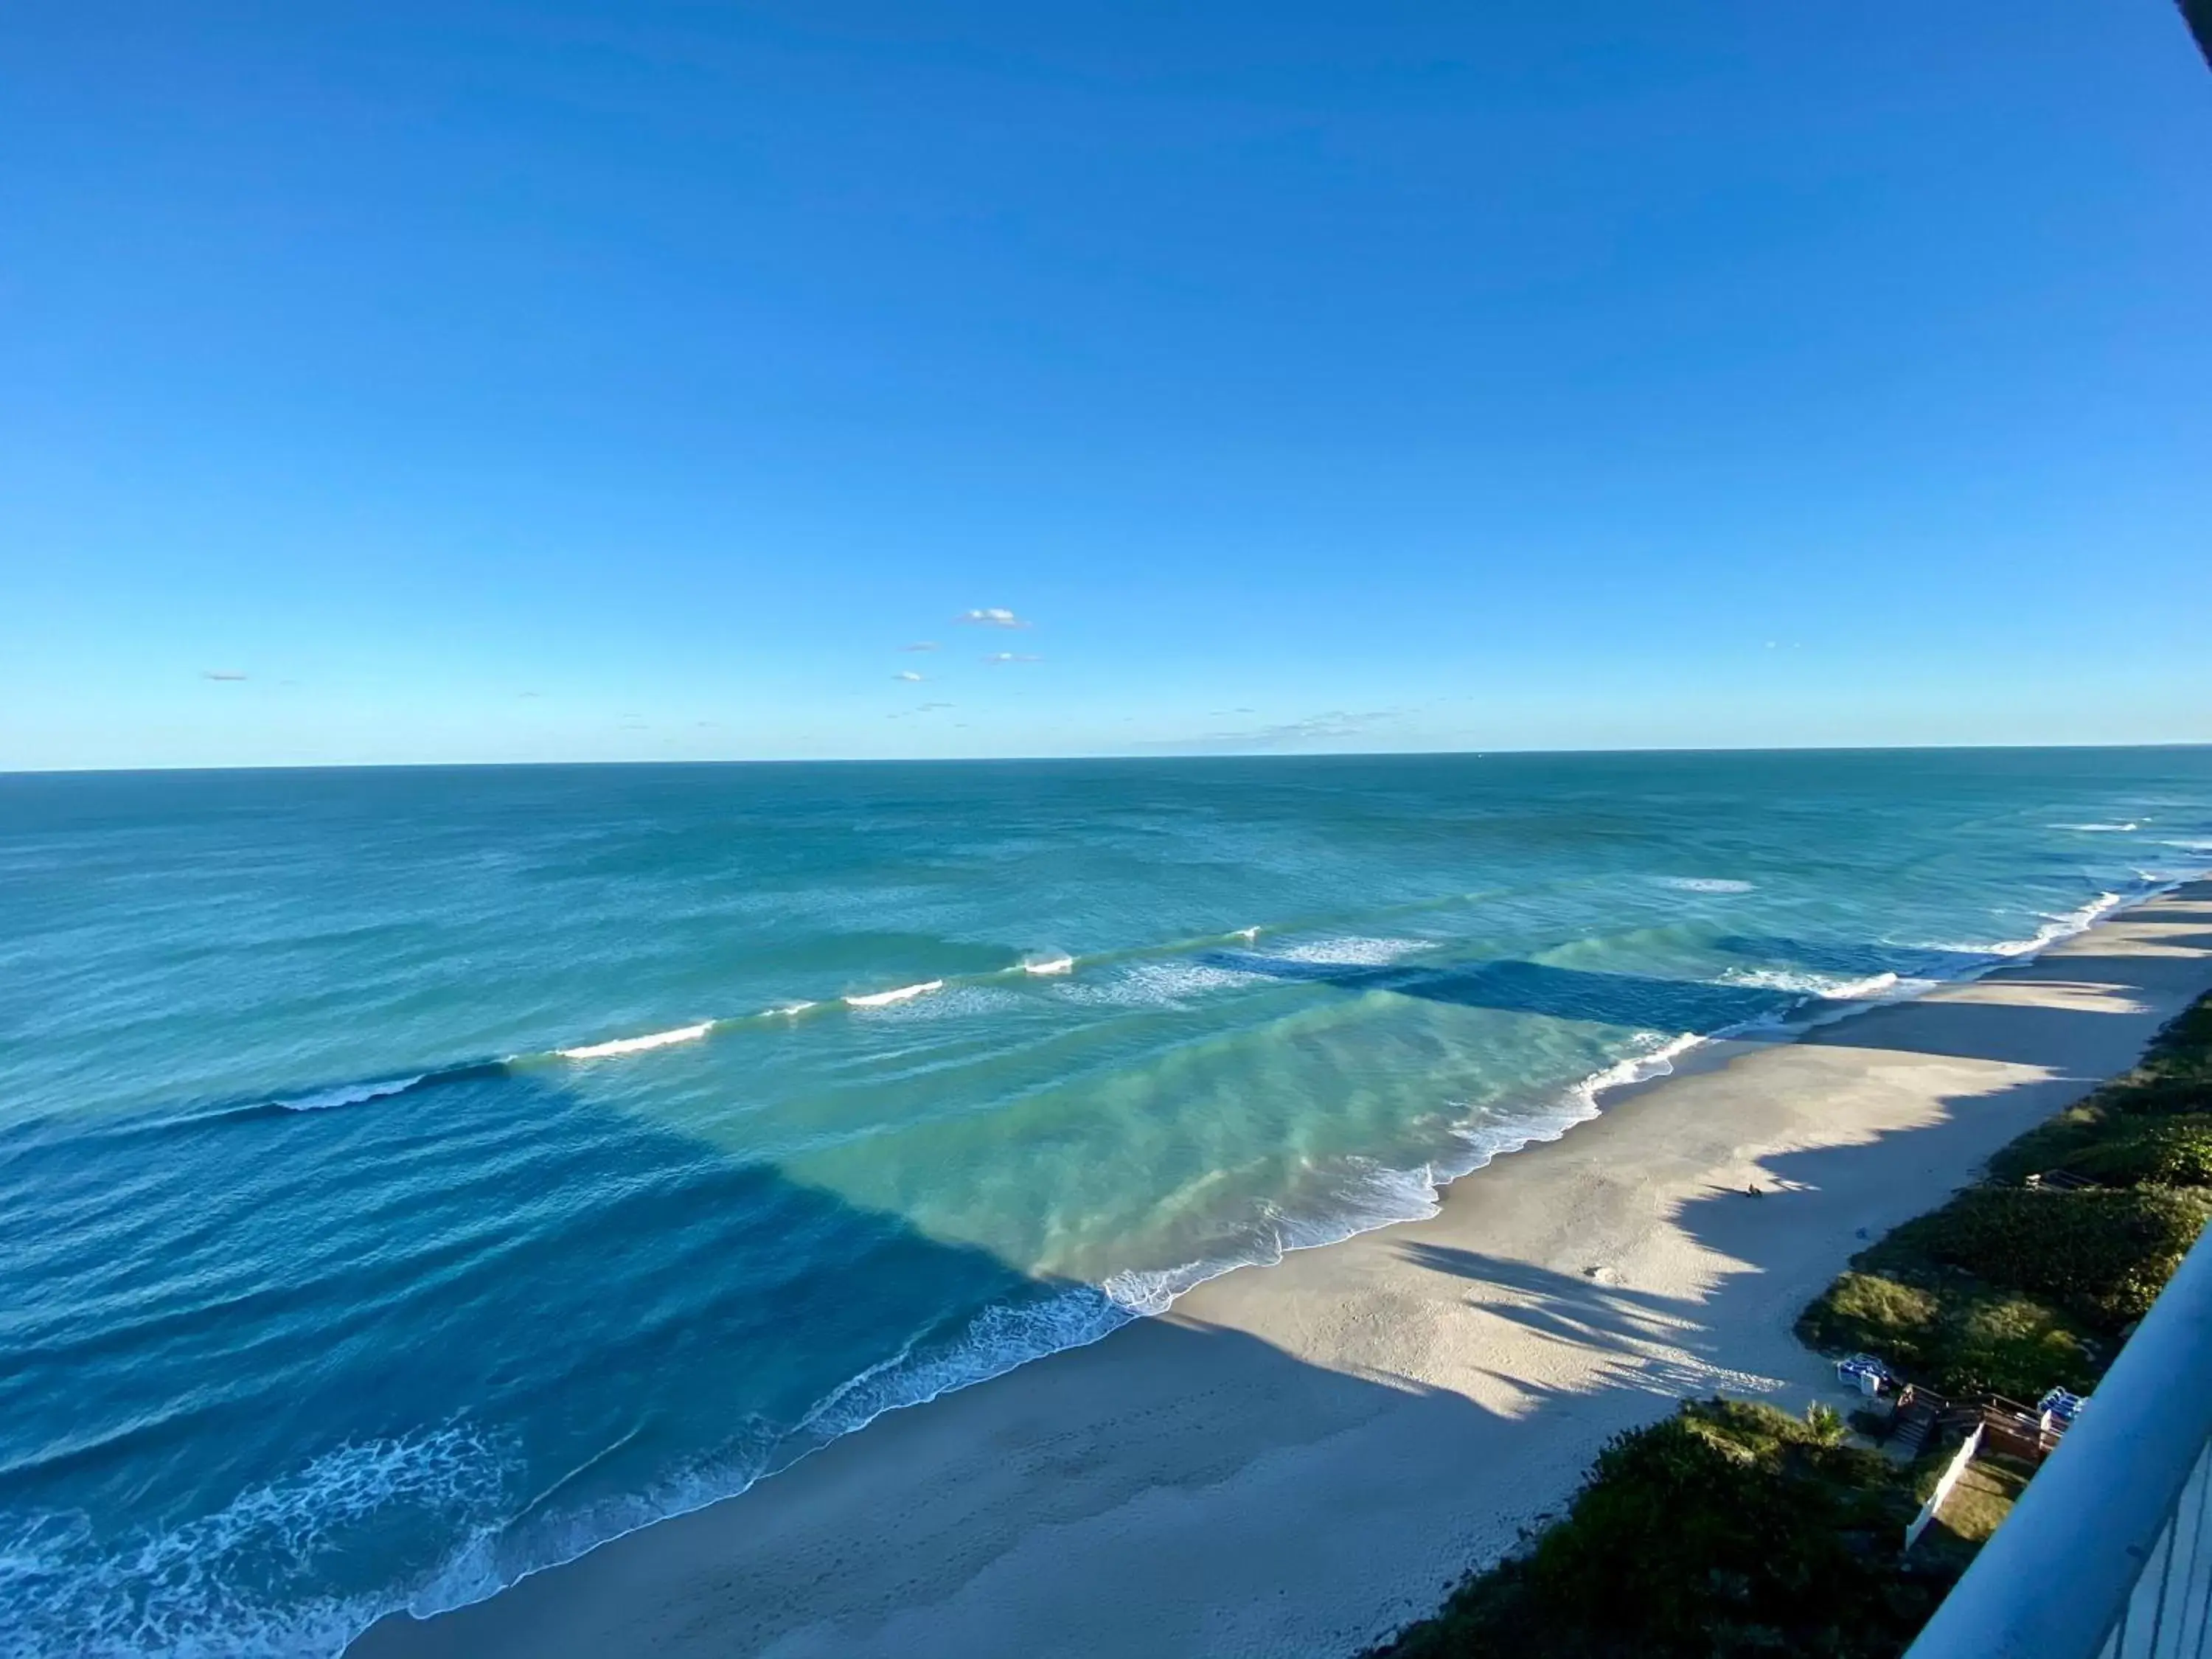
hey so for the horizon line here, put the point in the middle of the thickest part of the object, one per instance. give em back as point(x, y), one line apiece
point(1041, 760)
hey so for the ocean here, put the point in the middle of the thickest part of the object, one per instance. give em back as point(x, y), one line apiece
point(412, 1177)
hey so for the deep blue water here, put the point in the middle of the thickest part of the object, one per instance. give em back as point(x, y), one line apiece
point(329, 1283)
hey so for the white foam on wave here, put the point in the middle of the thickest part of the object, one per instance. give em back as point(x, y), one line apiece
point(1355, 952)
point(2054, 929)
point(1831, 987)
point(1707, 884)
point(996, 1340)
point(638, 1045)
point(1655, 1060)
point(350, 1094)
point(903, 993)
point(1049, 965)
point(789, 1010)
point(187, 1589)
point(1365, 1195)
point(1168, 984)
point(2100, 829)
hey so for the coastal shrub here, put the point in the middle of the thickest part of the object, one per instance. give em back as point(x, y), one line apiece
point(2163, 1152)
point(2174, 1080)
point(2104, 1254)
point(1730, 1529)
point(2182, 1053)
point(1871, 1313)
point(1960, 1338)
point(2015, 1346)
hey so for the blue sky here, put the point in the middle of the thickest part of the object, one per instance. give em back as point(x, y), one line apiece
point(553, 381)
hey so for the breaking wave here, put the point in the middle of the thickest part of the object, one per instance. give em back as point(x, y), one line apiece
point(209, 1588)
point(903, 993)
point(638, 1045)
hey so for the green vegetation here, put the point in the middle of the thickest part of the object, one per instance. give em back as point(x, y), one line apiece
point(2168, 1093)
point(1727, 1529)
point(2174, 1151)
point(2102, 1255)
point(1961, 1338)
point(2009, 1289)
point(1732, 1530)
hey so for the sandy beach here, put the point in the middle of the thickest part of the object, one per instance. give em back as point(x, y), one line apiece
point(1300, 1458)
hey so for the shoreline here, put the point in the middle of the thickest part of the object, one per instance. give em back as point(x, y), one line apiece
point(1295, 1460)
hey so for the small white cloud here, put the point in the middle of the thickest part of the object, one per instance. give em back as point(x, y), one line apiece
point(992, 616)
point(906, 674)
point(1012, 656)
point(221, 674)
point(921, 645)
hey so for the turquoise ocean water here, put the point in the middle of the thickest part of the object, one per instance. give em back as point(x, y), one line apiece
point(409, 1178)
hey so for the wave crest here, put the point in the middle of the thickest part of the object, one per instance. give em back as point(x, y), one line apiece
point(903, 993)
point(352, 1094)
point(638, 1045)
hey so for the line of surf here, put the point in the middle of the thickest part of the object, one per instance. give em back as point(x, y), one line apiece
point(1047, 964)
point(1820, 1006)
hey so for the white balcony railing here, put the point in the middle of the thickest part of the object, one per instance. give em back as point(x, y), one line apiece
point(2108, 1554)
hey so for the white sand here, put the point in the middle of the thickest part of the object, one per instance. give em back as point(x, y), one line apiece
point(1300, 1457)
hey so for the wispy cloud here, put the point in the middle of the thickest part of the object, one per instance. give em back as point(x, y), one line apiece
point(908, 674)
point(1332, 725)
point(1012, 656)
point(921, 645)
point(992, 617)
point(221, 674)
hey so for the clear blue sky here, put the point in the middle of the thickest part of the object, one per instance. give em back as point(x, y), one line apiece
point(565, 381)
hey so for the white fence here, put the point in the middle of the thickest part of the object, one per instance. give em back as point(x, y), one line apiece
point(1949, 1478)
